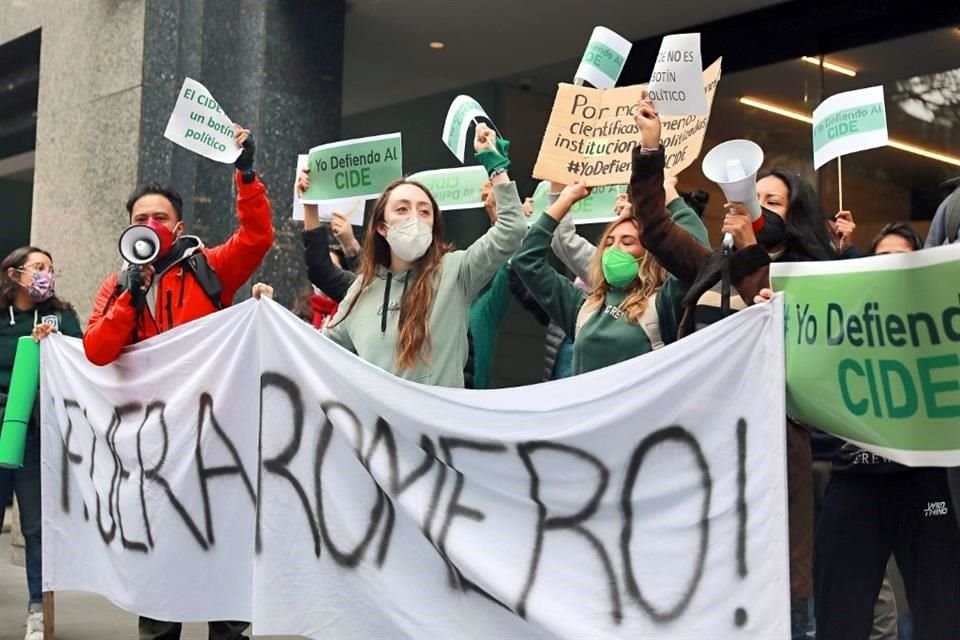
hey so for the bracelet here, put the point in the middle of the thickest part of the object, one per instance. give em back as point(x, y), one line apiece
point(496, 172)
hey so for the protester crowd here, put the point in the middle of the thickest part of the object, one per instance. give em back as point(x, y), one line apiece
point(406, 301)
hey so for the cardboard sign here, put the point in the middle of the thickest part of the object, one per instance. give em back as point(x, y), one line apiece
point(849, 122)
point(676, 84)
point(350, 169)
point(591, 134)
point(603, 59)
point(200, 125)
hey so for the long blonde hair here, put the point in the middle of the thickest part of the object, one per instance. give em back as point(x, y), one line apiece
point(413, 341)
point(650, 280)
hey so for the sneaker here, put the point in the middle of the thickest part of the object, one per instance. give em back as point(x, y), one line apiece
point(34, 626)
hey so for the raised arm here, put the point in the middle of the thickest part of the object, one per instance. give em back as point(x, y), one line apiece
point(321, 271)
point(492, 250)
point(574, 251)
point(559, 297)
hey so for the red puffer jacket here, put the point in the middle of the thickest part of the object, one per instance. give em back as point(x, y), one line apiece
point(180, 298)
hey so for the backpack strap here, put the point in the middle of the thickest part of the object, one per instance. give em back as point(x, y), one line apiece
point(649, 321)
point(207, 277)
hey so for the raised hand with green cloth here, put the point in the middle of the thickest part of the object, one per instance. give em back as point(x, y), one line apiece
point(29, 312)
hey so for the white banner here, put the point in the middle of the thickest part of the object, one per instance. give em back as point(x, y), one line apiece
point(603, 59)
point(463, 111)
point(244, 467)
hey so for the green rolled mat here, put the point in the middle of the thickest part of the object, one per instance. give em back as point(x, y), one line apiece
point(23, 393)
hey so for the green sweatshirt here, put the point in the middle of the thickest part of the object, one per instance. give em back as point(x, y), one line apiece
point(486, 314)
point(462, 275)
point(23, 323)
point(606, 338)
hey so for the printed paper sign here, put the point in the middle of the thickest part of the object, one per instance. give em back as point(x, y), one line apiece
point(676, 86)
point(454, 189)
point(873, 351)
point(597, 207)
point(351, 208)
point(359, 168)
point(603, 59)
point(591, 134)
point(463, 111)
point(849, 122)
point(307, 491)
point(200, 125)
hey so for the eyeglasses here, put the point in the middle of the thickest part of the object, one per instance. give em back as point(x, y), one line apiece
point(37, 267)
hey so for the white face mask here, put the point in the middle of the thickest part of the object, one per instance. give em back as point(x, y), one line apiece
point(410, 239)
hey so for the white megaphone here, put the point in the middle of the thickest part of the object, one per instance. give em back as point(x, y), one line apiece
point(139, 244)
point(733, 166)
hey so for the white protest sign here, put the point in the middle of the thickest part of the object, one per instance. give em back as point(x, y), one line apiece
point(297, 203)
point(676, 86)
point(849, 122)
point(454, 189)
point(351, 208)
point(200, 125)
point(603, 59)
point(463, 110)
point(339, 501)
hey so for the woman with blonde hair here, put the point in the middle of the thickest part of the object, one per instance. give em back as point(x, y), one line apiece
point(406, 312)
point(634, 306)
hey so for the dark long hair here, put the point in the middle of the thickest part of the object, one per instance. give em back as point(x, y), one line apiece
point(16, 259)
point(808, 237)
point(413, 343)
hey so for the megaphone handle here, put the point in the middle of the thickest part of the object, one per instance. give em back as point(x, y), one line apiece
point(728, 241)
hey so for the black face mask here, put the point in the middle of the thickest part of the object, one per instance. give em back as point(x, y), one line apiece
point(774, 231)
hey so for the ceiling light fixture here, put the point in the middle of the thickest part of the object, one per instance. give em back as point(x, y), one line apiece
point(436, 44)
point(896, 144)
point(839, 68)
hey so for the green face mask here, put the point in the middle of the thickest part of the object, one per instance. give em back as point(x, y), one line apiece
point(619, 267)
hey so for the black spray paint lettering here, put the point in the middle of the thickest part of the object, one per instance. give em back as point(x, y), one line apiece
point(573, 522)
point(678, 435)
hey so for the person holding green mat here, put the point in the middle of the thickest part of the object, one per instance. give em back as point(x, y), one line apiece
point(28, 307)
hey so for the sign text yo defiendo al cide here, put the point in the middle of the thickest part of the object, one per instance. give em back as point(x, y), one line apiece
point(359, 168)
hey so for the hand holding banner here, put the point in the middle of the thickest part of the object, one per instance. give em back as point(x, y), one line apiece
point(351, 169)
point(676, 86)
point(603, 59)
point(200, 125)
point(351, 208)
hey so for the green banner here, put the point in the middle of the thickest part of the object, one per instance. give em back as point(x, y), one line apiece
point(453, 189)
point(873, 351)
point(595, 208)
point(359, 168)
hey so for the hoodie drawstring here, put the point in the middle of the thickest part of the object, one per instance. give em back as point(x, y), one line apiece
point(386, 305)
point(36, 316)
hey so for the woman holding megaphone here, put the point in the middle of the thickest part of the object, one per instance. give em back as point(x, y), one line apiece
point(794, 229)
point(407, 310)
point(29, 308)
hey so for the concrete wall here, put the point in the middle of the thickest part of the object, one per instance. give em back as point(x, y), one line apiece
point(88, 120)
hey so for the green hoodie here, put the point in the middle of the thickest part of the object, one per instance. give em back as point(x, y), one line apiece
point(21, 324)
point(606, 338)
point(461, 277)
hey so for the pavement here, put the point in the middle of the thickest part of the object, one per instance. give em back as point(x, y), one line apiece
point(79, 616)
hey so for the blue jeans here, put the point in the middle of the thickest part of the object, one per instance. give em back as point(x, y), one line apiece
point(25, 482)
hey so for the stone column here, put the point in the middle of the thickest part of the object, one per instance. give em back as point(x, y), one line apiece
point(275, 67)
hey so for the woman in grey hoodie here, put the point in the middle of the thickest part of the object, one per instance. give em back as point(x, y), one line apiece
point(407, 310)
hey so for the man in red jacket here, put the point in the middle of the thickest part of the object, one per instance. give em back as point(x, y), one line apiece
point(188, 280)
